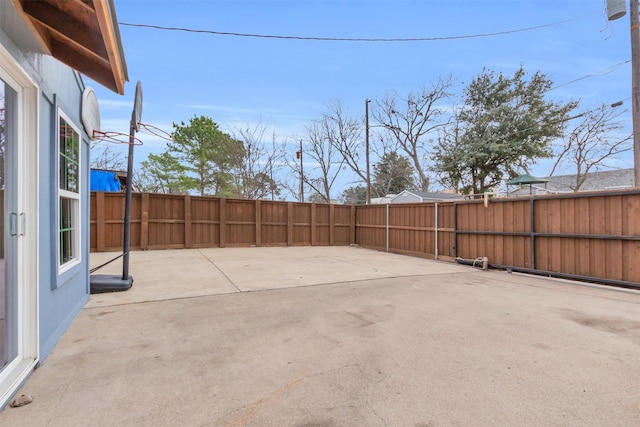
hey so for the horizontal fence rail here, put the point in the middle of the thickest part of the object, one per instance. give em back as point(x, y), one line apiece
point(588, 236)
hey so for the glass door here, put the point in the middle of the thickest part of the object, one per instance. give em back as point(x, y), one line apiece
point(18, 227)
point(9, 225)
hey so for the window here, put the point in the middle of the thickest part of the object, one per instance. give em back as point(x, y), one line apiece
point(68, 193)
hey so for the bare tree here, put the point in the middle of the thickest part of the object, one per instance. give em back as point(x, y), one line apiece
point(344, 133)
point(596, 139)
point(411, 120)
point(256, 170)
point(107, 158)
point(323, 160)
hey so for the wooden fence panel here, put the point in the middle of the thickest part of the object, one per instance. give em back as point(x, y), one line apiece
point(95, 221)
point(342, 225)
point(273, 223)
point(240, 225)
point(113, 222)
point(301, 223)
point(205, 222)
point(446, 232)
point(166, 222)
point(371, 229)
point(322, 224)
point(500, 231)
point(412, 229)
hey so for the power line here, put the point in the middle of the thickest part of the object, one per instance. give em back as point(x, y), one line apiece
point(609, 70)
point(349, 39)
point(360, 39)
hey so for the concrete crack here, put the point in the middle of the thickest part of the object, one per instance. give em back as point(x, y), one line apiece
point(220, 270)
point(366, 400)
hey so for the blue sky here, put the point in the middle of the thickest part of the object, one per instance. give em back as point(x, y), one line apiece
point(288, 83)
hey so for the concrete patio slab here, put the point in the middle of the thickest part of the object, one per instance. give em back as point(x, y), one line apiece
point(164, 275)
point(445, 345)
point(316, 266)
point(161, 275)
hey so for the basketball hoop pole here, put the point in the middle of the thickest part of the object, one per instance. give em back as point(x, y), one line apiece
point(135, 119)
point(127, 204)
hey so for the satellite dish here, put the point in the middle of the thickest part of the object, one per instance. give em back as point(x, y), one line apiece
point(137, 106)
point(90, 111)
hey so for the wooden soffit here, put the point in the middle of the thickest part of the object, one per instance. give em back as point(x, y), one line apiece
point(82, 34)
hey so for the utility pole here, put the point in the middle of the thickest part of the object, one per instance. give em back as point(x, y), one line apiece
point(366, 143)
point(271, 183)
point(616, 10)
point(299, 156)
point(635, 88)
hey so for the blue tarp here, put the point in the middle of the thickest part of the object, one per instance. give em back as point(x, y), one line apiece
point(104, 181)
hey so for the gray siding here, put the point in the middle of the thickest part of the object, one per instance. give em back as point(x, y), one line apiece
point(61, 297)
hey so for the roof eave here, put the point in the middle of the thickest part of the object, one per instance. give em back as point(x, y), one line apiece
point(82, 34)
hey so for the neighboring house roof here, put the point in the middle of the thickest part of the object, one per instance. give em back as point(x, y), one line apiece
point(407, 196)
point(382, 200)
point(595, 181)
point(83, 34)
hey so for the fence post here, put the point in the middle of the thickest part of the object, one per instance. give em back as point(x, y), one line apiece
point(455, 230)
point(258, 223)
point(352, 225)
point(289, 223)
point(187, 222)
point(387, 227)
point(314, 220)
point(144, 222)
point(436, 231)
point(223, 222)
point(533, 233)
point(332, 224)
point(100, 223)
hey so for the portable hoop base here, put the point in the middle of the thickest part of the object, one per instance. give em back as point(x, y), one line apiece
point(101, 283)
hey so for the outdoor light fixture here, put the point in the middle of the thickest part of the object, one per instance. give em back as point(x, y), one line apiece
point(616, 9)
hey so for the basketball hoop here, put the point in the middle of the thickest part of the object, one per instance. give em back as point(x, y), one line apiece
point(115, 137)
point(155, 131)
point(137, 107)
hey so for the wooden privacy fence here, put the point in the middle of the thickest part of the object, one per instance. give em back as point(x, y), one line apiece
point(592, 236)
point(161, 221)
point(417, 229)
point(581, 236)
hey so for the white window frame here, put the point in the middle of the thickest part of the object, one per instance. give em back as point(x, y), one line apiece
point(75, 197)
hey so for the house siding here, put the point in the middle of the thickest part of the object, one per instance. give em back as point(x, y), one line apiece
point(60, 297)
